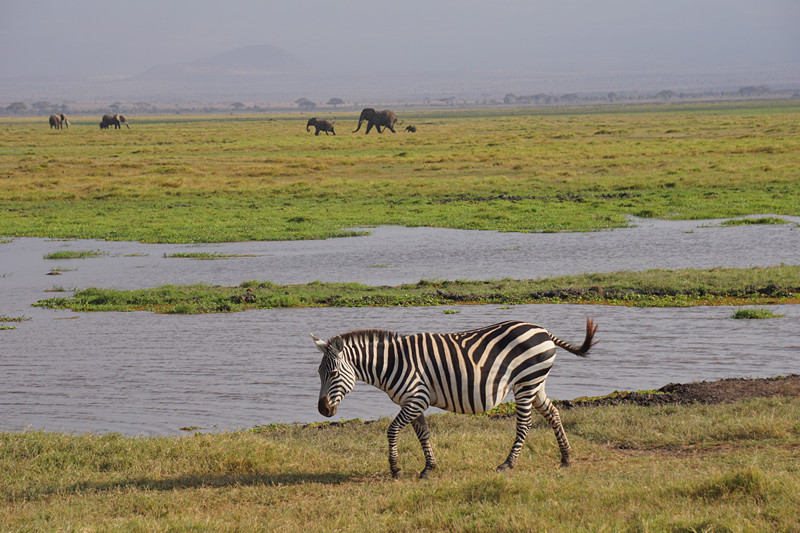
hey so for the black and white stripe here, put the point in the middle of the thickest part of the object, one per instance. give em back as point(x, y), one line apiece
point(466, 372)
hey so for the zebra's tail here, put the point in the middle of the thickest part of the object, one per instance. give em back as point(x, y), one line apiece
point(581, 351)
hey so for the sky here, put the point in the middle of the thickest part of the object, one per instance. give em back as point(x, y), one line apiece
point(113, 37)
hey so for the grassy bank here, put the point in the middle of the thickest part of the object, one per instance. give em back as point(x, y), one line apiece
point(686, 287)
point(729, 467)
point(235, 178)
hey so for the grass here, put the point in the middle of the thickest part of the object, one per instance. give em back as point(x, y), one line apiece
point(203, 255)
point(754, 313)
point(6, 319)
point(728, 467)
point(686, 287)
point(753, 221)
point(238, 178)
point(75, 254)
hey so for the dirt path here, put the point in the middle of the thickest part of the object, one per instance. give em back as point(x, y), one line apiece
point(722, 391)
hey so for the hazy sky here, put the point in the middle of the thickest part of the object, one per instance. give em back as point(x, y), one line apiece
point(128, 37)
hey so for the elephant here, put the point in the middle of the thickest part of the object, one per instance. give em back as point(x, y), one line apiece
point(59, 121)
point(411, 129)
point(321, 125)
point(383, 118)
point(113, 120)
point(109, 120)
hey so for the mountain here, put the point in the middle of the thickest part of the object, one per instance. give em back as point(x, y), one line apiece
point(257, 60)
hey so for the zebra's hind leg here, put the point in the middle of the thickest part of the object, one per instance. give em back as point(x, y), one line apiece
point(524, 403)
point(421, 429)
point(546, 408)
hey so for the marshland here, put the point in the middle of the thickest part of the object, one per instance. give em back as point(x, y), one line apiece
point(147, 417)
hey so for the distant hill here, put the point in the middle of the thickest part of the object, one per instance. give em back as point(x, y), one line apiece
point(256, 60)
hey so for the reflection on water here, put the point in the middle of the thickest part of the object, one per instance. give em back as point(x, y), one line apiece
point(141, 373)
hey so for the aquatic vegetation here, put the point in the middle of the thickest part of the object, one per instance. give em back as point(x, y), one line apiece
point(754, 313)
point(753, 221)
point(6, 319)
point(664, 288)
point(75, 254)
point(203, 255)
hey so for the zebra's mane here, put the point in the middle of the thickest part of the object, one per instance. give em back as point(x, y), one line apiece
point(367, 335)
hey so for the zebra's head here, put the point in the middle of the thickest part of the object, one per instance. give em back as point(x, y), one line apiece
point(336, 376)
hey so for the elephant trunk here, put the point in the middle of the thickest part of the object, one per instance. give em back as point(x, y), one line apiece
point(359, 124)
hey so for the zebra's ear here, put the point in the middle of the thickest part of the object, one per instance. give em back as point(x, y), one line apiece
point(337, 344)
point(321, 344)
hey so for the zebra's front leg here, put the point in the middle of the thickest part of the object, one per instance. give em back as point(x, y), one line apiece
point(410, 412)
point(421, 429)
point(523, 425)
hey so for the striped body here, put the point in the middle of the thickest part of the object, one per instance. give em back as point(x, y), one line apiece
point(467, 372)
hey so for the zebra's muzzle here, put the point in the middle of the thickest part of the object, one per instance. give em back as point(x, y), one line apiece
point(325, 407)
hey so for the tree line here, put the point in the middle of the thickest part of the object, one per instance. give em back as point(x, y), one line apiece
point(43, 107)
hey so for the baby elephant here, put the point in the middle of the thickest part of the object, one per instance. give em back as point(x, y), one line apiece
point(412, 129)
point(321, 125)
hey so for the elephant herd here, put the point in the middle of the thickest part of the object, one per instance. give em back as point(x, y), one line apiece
point(376, 119)
point(60, 121)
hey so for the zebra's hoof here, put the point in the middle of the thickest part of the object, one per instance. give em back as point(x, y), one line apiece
point(397, 474)
point(424, 473)
point(503, 467)
point(565, 464)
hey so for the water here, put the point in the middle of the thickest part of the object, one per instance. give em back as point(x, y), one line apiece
point(142, 373)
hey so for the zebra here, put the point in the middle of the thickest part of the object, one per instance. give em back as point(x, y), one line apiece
point(467, 372)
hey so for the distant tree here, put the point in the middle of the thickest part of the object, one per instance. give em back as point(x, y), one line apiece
point(237, 105)
point(16, 107)
point(666, 95)
point(305, 103)
point(754, 91)
point(448, 100)
point(509, 98)
point(143, 107)
point(41, 106)
point(335, 101)
point(612, 97)
point(115, 107)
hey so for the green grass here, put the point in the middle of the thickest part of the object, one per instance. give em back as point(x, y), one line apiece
point(203, 255)
point(753, 221)
point(729, 467)
point(754, 313)
point(5, 319)
point(686, 287)
point(75, 254)
point(213, 179)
